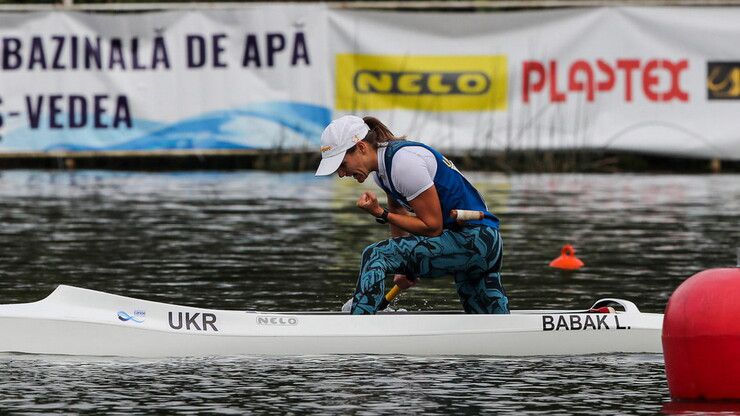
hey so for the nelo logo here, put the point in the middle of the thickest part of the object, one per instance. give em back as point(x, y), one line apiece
point(277, 320)
point(427, 83)
point(422, 83)
point(193, 321)
point(723, 80)
point(658, 79)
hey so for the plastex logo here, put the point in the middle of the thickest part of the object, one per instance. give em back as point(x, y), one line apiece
point(428, 83)
point(656, 80)
point(723, 80)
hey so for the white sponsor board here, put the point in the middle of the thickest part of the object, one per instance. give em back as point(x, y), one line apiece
point(656, 80)
point(222, 79)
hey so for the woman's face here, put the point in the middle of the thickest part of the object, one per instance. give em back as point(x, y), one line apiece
point(359, 163)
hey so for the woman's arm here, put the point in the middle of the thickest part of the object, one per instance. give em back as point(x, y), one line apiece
point(428, 219)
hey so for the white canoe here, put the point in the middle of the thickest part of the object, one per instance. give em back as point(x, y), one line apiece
point(76, 321)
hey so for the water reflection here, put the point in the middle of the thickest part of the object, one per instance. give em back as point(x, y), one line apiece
point(329, 385)
point(701, 408)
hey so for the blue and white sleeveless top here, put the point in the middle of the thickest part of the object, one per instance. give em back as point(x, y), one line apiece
point(455, 192)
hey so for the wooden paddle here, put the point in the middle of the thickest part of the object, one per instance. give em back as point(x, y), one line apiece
point(388, 298)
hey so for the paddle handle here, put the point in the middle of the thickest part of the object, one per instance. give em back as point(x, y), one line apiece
point(388, 298)
point(462, 215)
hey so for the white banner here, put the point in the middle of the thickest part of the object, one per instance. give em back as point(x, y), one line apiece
point(229, 79)
point(655, 80)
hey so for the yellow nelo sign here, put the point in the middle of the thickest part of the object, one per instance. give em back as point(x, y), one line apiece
point(427, 83)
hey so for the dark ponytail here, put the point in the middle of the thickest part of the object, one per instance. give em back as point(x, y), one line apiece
point(379, 135)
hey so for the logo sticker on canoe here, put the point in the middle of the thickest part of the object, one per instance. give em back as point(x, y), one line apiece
point(277, 320)
point(579, 322)
point(192, 321)
point(138, 316)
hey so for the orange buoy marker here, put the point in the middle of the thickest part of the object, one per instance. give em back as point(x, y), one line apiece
point(701, 337)
point(567, 259)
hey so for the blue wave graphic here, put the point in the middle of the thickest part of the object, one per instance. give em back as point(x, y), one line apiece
point(261, 126)
point(123, 316)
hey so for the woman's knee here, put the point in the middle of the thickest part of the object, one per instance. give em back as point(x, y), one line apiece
point(495, 252)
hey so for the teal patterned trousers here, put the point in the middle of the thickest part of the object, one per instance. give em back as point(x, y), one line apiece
point(471, 254)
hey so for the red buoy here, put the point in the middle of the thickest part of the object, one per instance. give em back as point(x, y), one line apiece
point(701, 337)
point(567, 259)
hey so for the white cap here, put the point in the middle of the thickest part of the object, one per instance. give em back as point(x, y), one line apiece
point(338, 137)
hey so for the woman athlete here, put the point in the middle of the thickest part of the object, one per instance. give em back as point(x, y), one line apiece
point(428, 243)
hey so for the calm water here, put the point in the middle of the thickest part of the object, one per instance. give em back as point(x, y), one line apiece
point(254, 240)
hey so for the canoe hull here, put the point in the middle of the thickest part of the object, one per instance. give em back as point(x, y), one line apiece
point(73, 321)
